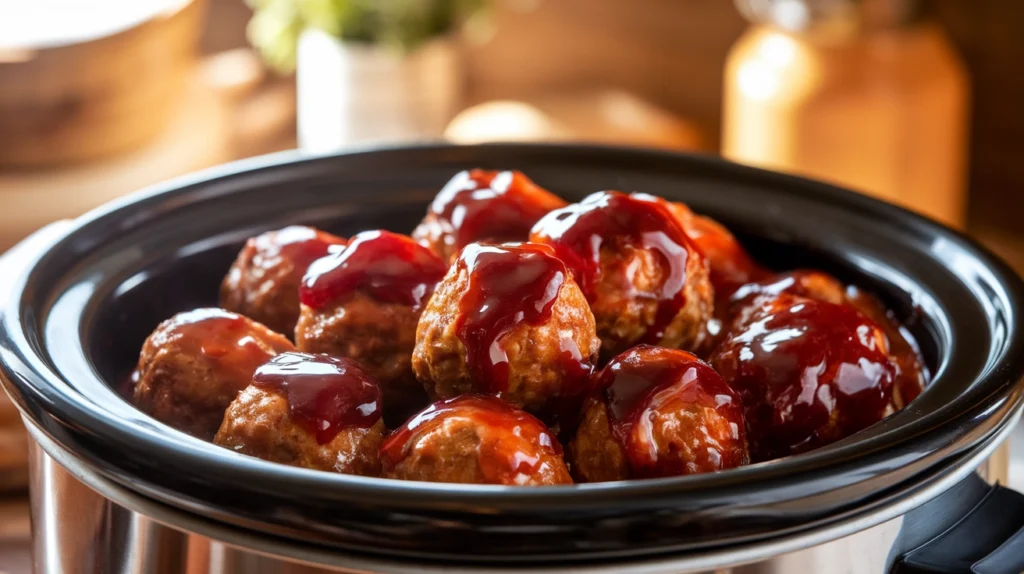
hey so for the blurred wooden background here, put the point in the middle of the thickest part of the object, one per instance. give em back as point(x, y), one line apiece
point(671, 52)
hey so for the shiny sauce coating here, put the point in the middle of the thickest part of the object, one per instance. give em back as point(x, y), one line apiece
point(809, 373)
point(646, 381)
point(227, 340)
point(612, 219)
point(510, 439)
point(390, 267)
point(491, 206)
point(325, 394)
point(509, 285)
point(729, 263)
point(300, 244)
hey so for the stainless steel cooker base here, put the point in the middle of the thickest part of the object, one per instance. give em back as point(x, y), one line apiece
point(85, 524)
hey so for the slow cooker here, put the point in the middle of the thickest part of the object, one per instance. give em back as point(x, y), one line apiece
point(116, 491)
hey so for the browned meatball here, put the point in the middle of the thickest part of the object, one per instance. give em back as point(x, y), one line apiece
point(475, 439)
point(194, 364)
point(507, 320)
point(312, 411)
point(364, 302)
point(263, 282)
point(644, 278)
point(481, 206)
point(809, 373)
point(911, 372)
point(658, 412)
point(729, 263)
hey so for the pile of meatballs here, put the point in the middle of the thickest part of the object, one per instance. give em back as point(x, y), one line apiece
point(516, 339)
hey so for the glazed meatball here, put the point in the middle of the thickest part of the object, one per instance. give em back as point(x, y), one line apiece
point(364, 302)
point(481, 206)
point(730, 265)
point(658, 412)
point(809, 373)
point(312, 411)
point(507, 320)
point(646, 282)
point(911, 373)
point(263, 282)
point(196, 363)
point(475, 439)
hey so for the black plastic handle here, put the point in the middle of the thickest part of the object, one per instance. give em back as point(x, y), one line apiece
point(973, 528)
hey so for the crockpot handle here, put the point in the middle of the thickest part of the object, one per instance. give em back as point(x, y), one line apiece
point(973, 528)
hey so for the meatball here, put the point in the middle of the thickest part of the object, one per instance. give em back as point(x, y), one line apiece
point(507, 320)
point(475, 439)
point(911, 373)
point(263, 282)
point(194, 364)
point(646, 282)
point(730, 265)
point(312, 411)
point(364, 302)
point(480, 206)
point(658, 412)
point(809, 373)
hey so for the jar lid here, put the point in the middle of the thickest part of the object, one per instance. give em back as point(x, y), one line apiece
point(800, 15)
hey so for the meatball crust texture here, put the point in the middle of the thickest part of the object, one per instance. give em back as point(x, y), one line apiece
point(194, 364)
point(364, 302)
point(263, 282)
point(623, 318)
point(658, 412)
point(258, 423)
point(540, 360)
point(645, 280)
point(381, 336)
point(475, 439)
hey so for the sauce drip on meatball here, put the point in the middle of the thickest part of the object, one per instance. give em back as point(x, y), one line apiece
point(325, 395)
point(484, 206)
point(641, 384)
point(263, 282)
point(224, 338)
point(298, 242)
point(911, 372)
point(809, 373)
point(508, 285)
point(579, 231)
point(509, 444)
point(392, 268)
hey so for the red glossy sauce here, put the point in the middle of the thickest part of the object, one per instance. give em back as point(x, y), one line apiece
point(325, 395)
point(302, 245)
point(729, 263)
point(809, 373)
point(229, 341)
point(645, 381)
point(578, 232)
point(511, 441)
point(509, 285)
point(911, 372)
point(491, 206)
point(392, 268)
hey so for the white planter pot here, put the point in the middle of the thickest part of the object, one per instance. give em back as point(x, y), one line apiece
point(357, 93)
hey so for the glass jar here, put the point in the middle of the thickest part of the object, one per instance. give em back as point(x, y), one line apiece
point(863, 93)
